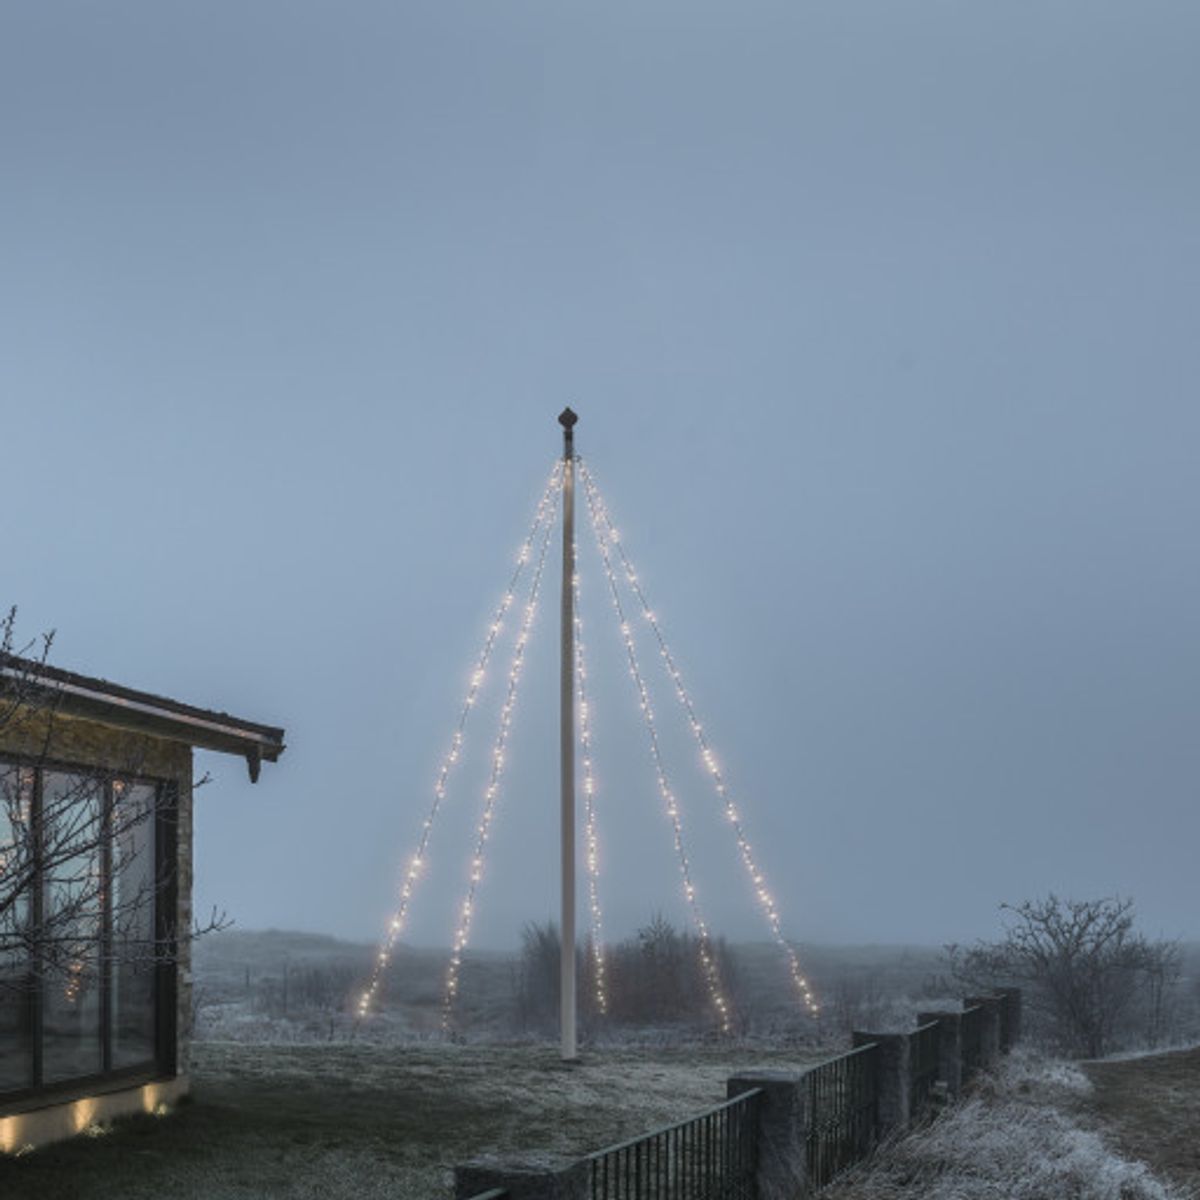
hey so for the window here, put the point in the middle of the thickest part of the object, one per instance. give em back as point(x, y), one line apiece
point(16, 1043)
point(86, 904)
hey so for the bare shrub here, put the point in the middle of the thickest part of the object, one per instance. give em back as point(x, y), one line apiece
point(653, 978)
point(1092, 982)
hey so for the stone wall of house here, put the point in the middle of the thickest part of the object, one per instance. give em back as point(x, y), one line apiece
point(37, 736)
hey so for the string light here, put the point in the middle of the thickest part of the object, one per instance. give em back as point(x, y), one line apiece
point(591, 841)
point(492, 791)
point(707, 958)
point(413, 869)
point(606, 534)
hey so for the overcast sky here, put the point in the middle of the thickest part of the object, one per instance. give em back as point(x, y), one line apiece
point(882, 322)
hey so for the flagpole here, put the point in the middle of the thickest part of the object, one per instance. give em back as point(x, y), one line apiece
point(567, 420)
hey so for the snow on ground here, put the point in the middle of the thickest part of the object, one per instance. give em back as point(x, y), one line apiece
point(323, 1121)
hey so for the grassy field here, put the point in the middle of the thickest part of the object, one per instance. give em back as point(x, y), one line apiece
point(1150, 1108)
point(373, 1122)
point(281, 986)
point(279, 1111)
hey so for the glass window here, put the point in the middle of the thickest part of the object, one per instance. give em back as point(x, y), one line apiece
point(79, 899)
point(133, 946)
point(16, 979)
point(70, 940)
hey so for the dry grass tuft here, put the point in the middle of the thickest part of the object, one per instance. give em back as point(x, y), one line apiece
point(1018, 1137)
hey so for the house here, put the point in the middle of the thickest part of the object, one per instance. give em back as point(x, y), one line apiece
point(95, 895)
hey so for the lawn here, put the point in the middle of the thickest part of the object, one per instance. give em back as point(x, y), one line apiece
point(349, 1120)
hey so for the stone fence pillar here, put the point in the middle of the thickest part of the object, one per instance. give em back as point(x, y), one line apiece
point(783, 1118)
point(1010, 1032)
point(949, 1048)
point(547, 1178)
point(894, 1084)
point(989, 1049)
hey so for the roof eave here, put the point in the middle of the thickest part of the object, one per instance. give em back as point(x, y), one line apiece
point(124, 708)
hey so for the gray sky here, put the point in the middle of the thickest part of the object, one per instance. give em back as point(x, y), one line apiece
point(882, 323)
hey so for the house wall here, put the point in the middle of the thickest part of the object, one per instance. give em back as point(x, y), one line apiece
point(24, 1131)
point(38, 736)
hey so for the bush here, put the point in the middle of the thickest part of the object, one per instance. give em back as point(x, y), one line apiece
point(1092, 982)
point(653, 978)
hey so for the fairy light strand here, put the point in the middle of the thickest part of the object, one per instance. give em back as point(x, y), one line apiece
point(467, 910)
point(608, 534)
point(591, 839)
point(413, 870)
point(707, 958)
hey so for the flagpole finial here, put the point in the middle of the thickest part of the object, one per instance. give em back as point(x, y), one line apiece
point(567, 420)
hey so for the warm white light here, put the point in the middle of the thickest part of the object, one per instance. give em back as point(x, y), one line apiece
point(492, 790)
point(591, 841)
point(605, 534)
point(541, 524)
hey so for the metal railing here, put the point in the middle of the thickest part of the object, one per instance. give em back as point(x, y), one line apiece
point(842, 1105)
point(972, 1041)
point(711, 1156)
point(925, 1060)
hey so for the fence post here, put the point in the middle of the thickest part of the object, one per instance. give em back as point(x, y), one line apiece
point(781, 1133)
point(531, 1179)
point(989, 1050)
point(949, 1048)
point(894, 1105)
point(1010, 1026)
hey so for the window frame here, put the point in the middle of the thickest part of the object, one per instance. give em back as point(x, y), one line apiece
point(164, 843)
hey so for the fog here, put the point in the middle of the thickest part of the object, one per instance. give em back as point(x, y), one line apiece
point(881, 322)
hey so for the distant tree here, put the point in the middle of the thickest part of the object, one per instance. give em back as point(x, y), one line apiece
point(657, 977)
point(539, 980)
point(858, 999)
point(653, 978)
point(1091, 980)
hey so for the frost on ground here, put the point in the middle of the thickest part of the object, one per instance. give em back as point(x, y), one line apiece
point(321, 1122)
point(1021, 1135)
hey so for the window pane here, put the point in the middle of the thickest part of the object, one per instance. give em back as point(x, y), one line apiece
point(70, 943)
point(133, 974)
point(16, 1026)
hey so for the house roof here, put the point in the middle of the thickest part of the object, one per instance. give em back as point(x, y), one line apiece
point(127, 708)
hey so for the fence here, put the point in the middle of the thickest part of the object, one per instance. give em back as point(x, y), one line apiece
point(842, 1116)
point(788, 1136)
point(972, 1040)
point(712, 1156)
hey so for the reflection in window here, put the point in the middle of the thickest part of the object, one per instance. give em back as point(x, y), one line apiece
point(78, 923)
point(16, 1008)
point(71, 942)
point(133, 946)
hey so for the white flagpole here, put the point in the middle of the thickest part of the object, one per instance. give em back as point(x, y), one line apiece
point(567, 747)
